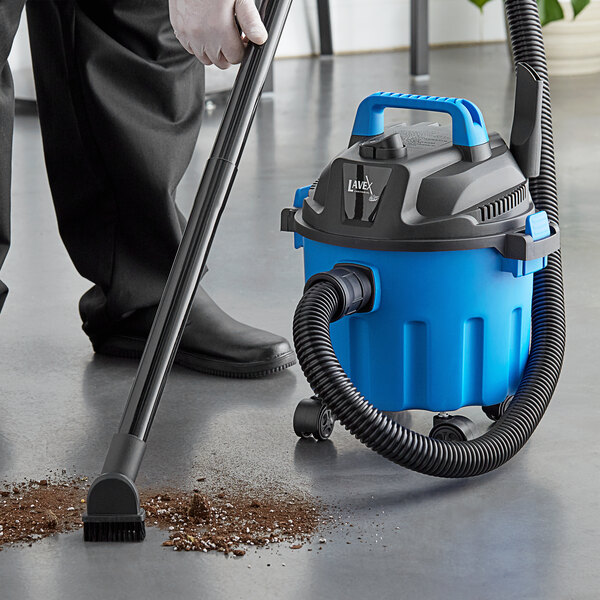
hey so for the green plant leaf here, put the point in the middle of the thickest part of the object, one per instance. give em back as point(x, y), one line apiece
point(550, 10)
point(482, 3)
point(578, 6)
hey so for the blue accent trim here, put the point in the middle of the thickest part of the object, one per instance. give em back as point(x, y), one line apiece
point(299, 196)
point(538, 227)
point(468, 126)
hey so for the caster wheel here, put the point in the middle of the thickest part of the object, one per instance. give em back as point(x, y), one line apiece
point(312, 417)
point(452, 428)
point(495, 411)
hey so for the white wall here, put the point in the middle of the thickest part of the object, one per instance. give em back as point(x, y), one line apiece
point(363, 25)
point(20, 56)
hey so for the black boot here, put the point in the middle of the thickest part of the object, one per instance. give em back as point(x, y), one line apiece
point(212, 342)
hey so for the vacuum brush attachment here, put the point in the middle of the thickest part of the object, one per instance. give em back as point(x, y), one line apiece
point(113, 512)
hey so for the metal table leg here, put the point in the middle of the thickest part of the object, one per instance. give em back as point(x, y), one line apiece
point(269, 83)
point(419, 38)
point(325, 27)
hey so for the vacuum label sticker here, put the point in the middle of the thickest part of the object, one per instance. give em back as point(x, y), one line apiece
point(363, 187)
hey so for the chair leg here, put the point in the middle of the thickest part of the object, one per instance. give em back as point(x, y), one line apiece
point(325, 27)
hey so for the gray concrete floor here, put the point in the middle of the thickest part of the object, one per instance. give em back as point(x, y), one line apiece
point(527, 531)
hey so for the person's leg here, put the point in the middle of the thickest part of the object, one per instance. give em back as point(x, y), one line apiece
point(10, 14)
point(120, 105)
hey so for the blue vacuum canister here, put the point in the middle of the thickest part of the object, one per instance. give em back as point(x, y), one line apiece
point(421, 244)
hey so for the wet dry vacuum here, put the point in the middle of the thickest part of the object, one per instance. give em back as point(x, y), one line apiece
point(434, 276)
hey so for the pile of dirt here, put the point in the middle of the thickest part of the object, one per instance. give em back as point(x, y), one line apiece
point(231, 521)
point(33, 510)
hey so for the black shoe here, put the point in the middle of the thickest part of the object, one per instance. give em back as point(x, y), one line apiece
point(212, 341)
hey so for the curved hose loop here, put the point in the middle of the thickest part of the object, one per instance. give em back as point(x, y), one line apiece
point(403, 446)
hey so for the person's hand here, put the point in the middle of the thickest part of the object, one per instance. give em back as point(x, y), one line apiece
point(208, 29)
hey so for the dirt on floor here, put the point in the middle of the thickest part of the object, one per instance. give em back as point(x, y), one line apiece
point(35, 509)
point(229, 520)
point(232, 521)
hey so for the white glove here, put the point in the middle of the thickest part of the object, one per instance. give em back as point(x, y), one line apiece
point(208, 29)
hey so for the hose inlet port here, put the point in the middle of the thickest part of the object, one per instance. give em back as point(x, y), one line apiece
point(355, 285)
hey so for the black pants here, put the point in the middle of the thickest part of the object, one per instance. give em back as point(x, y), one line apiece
point(120, 105)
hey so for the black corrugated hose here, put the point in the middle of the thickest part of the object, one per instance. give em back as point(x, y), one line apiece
point(320, 305)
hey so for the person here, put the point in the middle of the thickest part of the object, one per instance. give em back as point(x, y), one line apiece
point(120, 103)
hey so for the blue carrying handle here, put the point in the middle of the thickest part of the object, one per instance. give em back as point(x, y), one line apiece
point(468, 126)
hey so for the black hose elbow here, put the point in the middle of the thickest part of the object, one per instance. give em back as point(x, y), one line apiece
point(355, 287)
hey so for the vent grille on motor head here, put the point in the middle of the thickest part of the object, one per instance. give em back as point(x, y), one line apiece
point(313, 187)
point(502, 205)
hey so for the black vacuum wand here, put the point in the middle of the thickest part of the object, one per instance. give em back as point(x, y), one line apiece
point(113, 505)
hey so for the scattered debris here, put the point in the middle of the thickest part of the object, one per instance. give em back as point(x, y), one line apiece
point(233, 521)
point(33, 510)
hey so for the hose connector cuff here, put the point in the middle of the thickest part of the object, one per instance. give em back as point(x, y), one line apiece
point(355, 286)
